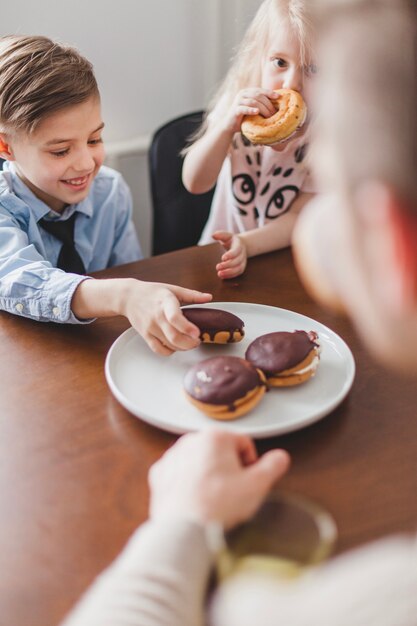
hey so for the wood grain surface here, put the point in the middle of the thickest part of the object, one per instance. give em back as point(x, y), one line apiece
point(74, 463)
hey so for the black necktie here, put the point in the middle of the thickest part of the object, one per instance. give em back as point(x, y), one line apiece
point(68, 260)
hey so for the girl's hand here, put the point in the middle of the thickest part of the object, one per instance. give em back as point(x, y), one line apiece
point(250, 101)
point(234, 260)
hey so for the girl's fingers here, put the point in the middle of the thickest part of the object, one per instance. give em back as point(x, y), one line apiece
point(222, 235)
point(231, 254)
point(227, 274)
point(224, 265)
point(264, 104)
point(231, 272)
point(255, 92)
point(246, 110)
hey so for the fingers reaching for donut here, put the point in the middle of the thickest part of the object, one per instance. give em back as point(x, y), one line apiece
point(290, 115)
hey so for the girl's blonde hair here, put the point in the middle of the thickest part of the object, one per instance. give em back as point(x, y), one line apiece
point(39, 77)
point(246, 67)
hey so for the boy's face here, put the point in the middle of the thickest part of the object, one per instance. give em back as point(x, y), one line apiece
point(59, 161)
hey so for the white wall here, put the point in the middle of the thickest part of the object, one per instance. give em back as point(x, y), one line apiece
point(154, 60)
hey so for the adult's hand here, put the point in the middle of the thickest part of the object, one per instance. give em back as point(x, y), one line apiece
point(213, 476)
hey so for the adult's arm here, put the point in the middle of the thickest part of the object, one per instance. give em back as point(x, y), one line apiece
point(159, 580)
point(205, 481)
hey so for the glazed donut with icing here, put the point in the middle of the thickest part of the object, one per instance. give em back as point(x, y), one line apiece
point(290, 116)
point(224, 387)
point(286, 358)
point(216, 325)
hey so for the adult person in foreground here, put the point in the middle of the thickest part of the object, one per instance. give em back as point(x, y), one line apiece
point(367, 155)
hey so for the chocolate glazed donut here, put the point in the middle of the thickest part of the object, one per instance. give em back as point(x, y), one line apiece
point(286, 358)
point(216, 325)
point(224, 387)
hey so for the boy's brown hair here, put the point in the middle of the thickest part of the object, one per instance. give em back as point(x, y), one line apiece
point(39, 77)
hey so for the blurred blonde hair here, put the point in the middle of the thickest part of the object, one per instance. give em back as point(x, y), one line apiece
point(246, 67)
point(38, 77)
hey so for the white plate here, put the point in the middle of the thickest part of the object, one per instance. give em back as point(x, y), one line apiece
point(151, 386)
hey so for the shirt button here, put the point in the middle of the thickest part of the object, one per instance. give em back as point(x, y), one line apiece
point(56, 310)
point(19, 307)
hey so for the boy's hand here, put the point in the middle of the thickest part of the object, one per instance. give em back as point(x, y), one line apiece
point(250, 101)
point(234, 260)
point(213, 476)
point(154, 311)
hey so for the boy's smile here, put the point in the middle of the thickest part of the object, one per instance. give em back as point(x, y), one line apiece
point(59, 161)
point(79, 183)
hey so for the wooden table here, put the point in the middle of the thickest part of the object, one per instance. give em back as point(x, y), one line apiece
point(73, 462)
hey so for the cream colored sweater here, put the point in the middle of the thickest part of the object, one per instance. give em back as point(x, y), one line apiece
point(161, 576)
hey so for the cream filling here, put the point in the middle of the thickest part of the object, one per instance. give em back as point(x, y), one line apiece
point(312, 366)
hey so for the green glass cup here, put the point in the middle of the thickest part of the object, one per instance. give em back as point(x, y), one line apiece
point(288, 534)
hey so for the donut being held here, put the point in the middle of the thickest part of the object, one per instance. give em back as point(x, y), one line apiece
point(216, 325)
point(290, 116)
point(286, 358)
point(224, 387)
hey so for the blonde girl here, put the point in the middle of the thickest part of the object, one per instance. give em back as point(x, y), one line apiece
point(259, 189)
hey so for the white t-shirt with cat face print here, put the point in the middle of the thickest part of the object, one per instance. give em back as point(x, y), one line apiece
point(256, 185)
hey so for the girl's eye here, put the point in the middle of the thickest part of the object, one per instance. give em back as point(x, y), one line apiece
point(278, 62)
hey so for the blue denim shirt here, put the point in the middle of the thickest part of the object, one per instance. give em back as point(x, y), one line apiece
point(30, 283)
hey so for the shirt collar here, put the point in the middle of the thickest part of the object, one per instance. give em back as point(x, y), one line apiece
point(39, 208)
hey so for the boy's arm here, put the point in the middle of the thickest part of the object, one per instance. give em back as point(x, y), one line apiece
point(153, 309)
point(29, 285)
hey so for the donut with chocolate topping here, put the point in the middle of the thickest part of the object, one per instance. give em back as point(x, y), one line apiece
point(286, 358)
point(224, 387)
point(216, 325)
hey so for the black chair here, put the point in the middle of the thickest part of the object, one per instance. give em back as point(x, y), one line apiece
point(178, 216)
point(1, 163)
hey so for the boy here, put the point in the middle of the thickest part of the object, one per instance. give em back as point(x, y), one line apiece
point(62, 213)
